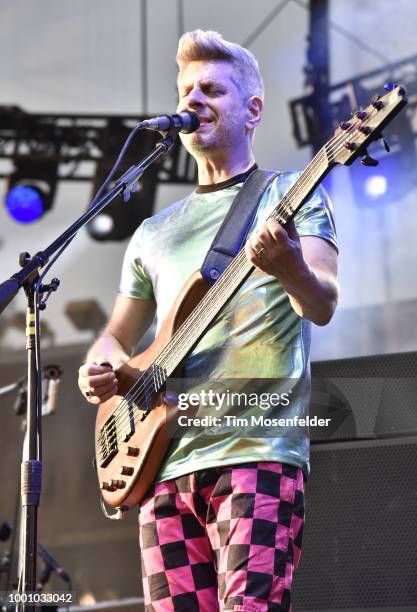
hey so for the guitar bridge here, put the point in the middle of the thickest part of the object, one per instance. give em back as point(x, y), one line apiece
point(108, 442)
point(118, 428)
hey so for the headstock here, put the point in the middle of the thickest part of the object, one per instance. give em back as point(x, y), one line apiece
point(352, 137)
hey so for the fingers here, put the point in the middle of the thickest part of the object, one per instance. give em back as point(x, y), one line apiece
point(259, 246)
point(97, 383)
point(101, 395)
point(91, 368)
point(254, 250)
point(274, 246)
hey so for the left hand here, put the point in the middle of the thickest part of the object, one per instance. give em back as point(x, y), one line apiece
point(306, 268)
point(276, 251)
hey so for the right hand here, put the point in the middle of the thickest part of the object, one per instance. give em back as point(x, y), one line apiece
point(97, 382)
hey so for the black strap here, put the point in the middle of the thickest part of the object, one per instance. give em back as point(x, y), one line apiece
point(236, 225)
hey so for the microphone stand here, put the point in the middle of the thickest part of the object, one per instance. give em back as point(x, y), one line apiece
point(50, 373)
point(28, 278)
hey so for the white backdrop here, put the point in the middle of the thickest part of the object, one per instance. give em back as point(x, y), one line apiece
point(85, 57)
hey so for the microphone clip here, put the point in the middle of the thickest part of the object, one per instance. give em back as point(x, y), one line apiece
point(130, 178)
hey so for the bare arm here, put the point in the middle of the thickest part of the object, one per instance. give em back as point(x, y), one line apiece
point(129, 321)
point(306, 268)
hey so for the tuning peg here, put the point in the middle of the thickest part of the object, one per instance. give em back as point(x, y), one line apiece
point(367, 160)
point(360, 114)
point(386, 145)
point(389, 86)
point(376, 102)
point(345, 125)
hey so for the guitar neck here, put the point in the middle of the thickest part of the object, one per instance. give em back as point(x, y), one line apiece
point(299, 192)
point(235, 274)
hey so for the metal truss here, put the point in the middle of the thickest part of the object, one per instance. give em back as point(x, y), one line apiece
point(349, 95)
point(71, 140)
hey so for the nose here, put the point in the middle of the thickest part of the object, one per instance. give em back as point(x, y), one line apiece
point(195, 98)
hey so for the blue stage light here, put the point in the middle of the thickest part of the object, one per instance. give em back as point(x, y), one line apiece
point(31, 189)
point(24, 204)
point(395, 175)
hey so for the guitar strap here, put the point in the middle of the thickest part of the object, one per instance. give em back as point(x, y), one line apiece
point(236, 225)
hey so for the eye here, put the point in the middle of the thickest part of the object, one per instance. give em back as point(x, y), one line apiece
point(213, 90)
point(185, 92)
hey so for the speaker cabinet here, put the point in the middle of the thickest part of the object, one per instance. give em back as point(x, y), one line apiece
point(360, 538)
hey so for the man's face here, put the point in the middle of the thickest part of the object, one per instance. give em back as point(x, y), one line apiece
point(207, 88)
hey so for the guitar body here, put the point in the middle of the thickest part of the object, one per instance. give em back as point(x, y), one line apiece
point(125, 479)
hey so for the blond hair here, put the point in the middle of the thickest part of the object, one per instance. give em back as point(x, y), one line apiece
point(207, 45)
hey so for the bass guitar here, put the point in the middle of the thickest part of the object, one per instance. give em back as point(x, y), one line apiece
point(131, 434)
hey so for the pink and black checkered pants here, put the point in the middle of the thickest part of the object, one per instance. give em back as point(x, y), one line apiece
point(224, 538)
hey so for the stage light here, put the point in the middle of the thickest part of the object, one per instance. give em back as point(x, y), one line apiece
point(119, 219)
point(31, 189)
point(376, 186)
point(24, 203)
point(395, 175)
point(101, 225)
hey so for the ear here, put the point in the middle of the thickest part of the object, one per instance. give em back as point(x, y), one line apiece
point(254, 108)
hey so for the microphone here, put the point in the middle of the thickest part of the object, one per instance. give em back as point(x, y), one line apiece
point(52, 376)
point(185, 122)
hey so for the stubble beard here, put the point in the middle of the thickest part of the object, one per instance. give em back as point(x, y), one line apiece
point(197, 145)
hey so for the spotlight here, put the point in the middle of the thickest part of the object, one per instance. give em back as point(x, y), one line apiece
point(376, 186)
point(101, 225)
point(31, 189)
point(119, 219)
point(395, 175)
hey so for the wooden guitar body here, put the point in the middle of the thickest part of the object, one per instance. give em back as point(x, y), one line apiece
point(125, 479)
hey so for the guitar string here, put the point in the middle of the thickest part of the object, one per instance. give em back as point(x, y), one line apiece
point(146, 381)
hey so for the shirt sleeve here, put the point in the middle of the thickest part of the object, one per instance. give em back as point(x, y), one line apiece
point(316, 218)
point(135, 282)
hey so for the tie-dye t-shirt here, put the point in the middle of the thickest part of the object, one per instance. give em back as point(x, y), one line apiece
point(256, 336)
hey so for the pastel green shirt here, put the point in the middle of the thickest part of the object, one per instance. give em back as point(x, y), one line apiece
point(257, 335)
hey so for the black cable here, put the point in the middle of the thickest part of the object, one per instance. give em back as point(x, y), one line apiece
point(38, 286)
point(95, 199)
point(349, 36)
point(265, 23)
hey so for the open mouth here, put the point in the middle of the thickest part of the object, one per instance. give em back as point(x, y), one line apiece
point(204, 120)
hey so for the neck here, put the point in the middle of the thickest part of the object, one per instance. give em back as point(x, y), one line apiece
point(215, 169)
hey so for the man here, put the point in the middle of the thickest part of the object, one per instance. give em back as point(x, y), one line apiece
point(221, 527)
